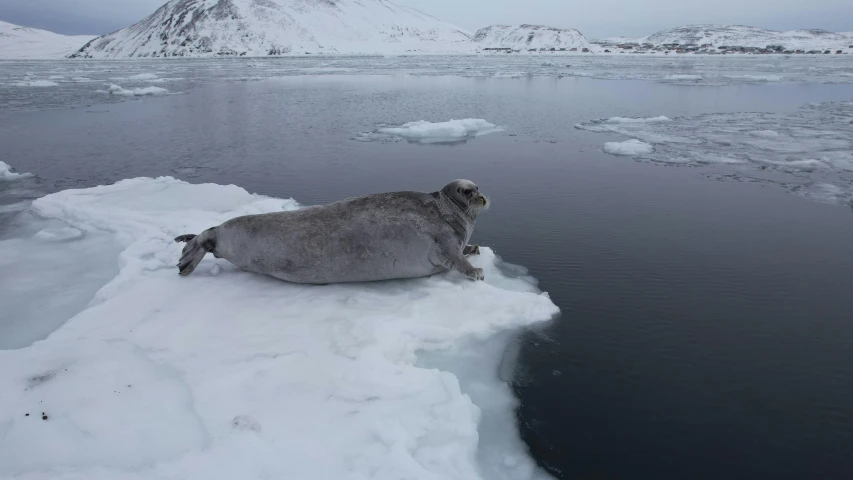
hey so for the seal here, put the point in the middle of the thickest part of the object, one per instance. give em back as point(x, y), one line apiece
point(375, 237)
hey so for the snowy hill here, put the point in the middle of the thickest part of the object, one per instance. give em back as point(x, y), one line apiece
point(18, 42)
point(737, 35)
point(528, 37)
point(199, 28)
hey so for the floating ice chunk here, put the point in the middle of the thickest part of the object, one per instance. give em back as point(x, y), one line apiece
point(143, 76)
point(793, 150)
point(765, 133)
point(234, 362)
point(756, 78)
point(137, 92)
point(825, 193)
point(716, 158)
point(443, 132)
point(137, 78)
point(510, 75)
point(547, 64)
point(629, 147)
point(37, 83)
point(81, 79)
point(671, 160)
point(841, 160)
point(638, 120)
point(58, 234)
point(806, 164)
point(683, 77)
point(6, 172)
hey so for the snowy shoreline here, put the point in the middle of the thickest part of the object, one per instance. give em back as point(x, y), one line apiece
point(235, 375)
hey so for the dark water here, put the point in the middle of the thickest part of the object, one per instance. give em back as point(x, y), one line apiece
point(706, 325)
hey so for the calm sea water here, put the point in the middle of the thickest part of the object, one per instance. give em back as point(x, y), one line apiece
point(706, 325)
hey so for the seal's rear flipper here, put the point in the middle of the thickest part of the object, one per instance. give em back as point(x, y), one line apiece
point(195, 250)
point(185, 238)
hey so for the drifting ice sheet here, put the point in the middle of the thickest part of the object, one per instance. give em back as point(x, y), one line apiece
point(442, 132)
point(809, 152)
point(36, 83)
point(227, 374)
point(137, 92)
point(638, 120)
point(631, 147)
point(6, 172)
point(679, 78)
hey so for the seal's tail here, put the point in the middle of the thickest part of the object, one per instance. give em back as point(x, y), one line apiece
point(196, 248)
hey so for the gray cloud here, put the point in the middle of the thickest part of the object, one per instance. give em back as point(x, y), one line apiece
point(601, 18)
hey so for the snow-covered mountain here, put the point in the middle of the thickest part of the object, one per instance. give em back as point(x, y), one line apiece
point(528, 37)
point(274, 27)
point(743, 36)
point(18, 42)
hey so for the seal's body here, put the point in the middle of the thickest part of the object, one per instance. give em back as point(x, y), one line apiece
point(375, 237)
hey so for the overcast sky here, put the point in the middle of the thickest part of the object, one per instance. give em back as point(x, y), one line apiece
point(595, 19)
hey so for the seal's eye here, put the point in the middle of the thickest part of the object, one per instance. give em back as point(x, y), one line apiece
point(467, 191)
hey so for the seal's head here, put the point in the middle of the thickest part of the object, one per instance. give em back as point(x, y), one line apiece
point(466, 195)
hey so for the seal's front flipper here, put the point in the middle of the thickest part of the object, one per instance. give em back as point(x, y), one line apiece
point(195, 250)
point(454, 259)
point(471, 250)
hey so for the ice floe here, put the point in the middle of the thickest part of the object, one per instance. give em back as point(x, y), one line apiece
point(803, 151)
point(453, 131)
point(6, 172)
point(765, 133)
point(756, 78)
point(228, 374)
point(137, 92)
point(628, 147)
point(683, 77)
point(638, 120)
point(36, 83)
point(144, 77)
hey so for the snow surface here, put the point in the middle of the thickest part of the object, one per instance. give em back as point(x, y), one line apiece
point(199, 28)
point(228, 374)
point(58, 234)
point(36, 83)
point(6, 172)
point(802, 151)
point(744, 36)
point(18, 42)
point(423, 131)
point(137, 92)
point(631, 147)
point(525, 37)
